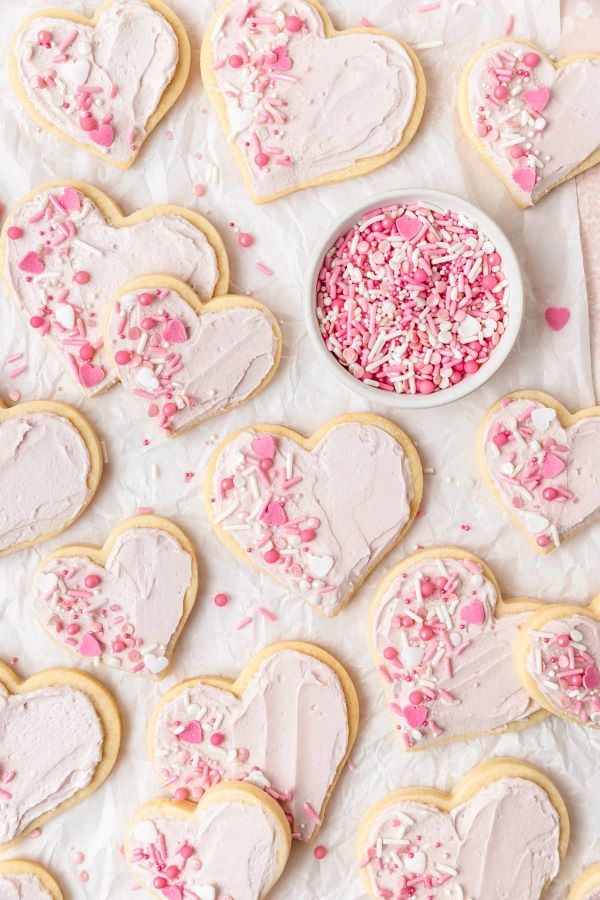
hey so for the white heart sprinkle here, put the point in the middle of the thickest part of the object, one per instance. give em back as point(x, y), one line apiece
point(258, 779)
point(455, 639)
point(46, 581)
point(75, 71)
point(468, 328)
point(507, 468)
point(65, 315)
point(147, 379)
point(417, 863)
point(320, 565)
point(542, 417)
point(477, 580)
point(534, 522)
point(412, 656)
point(145, 831)
point(155, 664)
point(205, 892)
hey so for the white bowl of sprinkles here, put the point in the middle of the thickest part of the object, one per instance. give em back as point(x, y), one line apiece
point(415, 299)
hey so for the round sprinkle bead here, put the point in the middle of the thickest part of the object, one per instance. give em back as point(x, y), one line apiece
point(81, 277)
point(320, 852)
point(15, 233)
point(221, 600)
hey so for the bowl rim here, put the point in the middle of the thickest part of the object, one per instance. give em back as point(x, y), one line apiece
point(515, 307)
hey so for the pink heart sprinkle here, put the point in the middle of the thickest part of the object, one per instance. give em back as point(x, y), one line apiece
point(274, 514)
point(474, 613)
point(89, 646)
point(552, 466)
point(282, 61)
point(172, 893)
point(91, 375)
point(70, 199)
point(538, 97)
point(557, 317)
point(264, 446)
point(407, 227)
point(415, 715)
point(103, 136)
point(174, 332)
point(524, 176)
point(591, 678)
point(192, 733)
point(32, 263)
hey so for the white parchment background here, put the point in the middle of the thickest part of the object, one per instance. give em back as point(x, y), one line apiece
point(303, 396)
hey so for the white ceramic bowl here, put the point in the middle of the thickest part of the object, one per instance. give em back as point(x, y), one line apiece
point(510, 267)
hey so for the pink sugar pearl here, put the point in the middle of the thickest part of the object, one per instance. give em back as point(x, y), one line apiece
point(122, 357)
point(293, 24)
point(15, 233)
point(221, 600)
point(245, 240)
point(146, 299)
point(531, 60)
point(320, 852)
point(92, 581)
point(81, 277)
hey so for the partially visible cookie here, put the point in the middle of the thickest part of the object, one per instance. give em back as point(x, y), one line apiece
point(185, 359)
point(443, 640)
point(235, 843)
point(124, 604)
point(587, 886)
point(533, 120)
point(317, 513)
point(104, 83)
point(59, 737)
point(540, 463)
point(302, 104)
point(23, 880)
point(51, 464)
point(286, 724)
point(503, 831)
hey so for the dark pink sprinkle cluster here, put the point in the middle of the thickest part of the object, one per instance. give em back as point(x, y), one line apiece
point(412, 299)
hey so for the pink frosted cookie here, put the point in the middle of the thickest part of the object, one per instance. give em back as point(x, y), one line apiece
point(558, 659)
point(59, 738)
point(124, 604)
point(51, 463)
point(587, 886)
point(413, 298)
point(443, 640)
point(539, 461)
point(502, 831)
point(533, 120)
point(303, 104)
point(103, 83)
point(22, 880)
point(233, 846)
point(187, 360)
point(67, 249)
point(287, 724)
point(316, 513)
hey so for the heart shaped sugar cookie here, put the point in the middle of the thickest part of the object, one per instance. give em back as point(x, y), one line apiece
point(587, 886)
point(558, 661)
point(102, 84)
point(533, 120)
point(51, 463)
point(234, 843)
point(316, 513)
point(539, 461)
point(187, 360)
point(501, 832)
point(22, 880)
point(302, 104)
point(443, 640)
point(124, 604)
point(59, 738)
point(286, 724)
point(66, 249)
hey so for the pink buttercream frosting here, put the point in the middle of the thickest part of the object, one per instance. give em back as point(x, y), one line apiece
point(315, 520)
point(99, 86)
point(446, 661)
point(44, 467)
point(124, 613)
point(22, 887)
point(64, 262)
point(51, 739)
point(555, 125)
point(564, 661)
point(185, 367)
point(288, 733)
point(547, 475)
point(231, 850)
point(301, 106)
point(501, 843)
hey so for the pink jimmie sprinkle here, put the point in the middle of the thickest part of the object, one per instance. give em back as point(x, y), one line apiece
point(428, 7)
point(508, 27)
point(365, 22)
point(244, 622)
point(311, 814)
point(412, 299)
point(262, 611)
point(18, 371)
point(264, 269)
